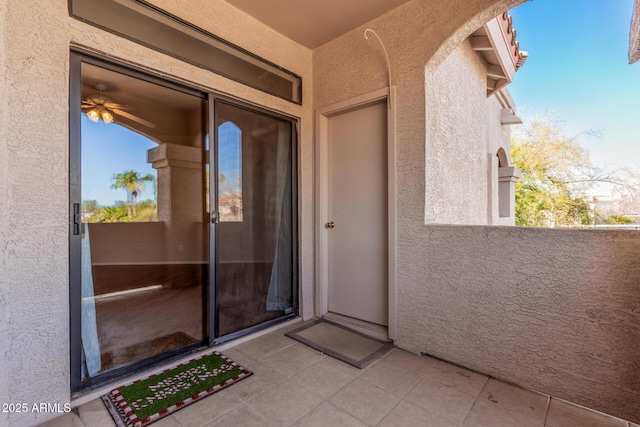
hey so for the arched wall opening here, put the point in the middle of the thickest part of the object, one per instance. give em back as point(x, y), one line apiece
point(530, 324)
point(467, 105)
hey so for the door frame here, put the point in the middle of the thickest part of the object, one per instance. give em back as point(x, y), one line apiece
point(214, 100)
point(322, 197)
point(78, 385)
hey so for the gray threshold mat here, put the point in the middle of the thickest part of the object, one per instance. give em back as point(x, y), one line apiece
point(340, 342)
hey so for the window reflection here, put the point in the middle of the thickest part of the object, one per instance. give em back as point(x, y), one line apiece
point(230, 172)
point(119, 185)
point(144, 247)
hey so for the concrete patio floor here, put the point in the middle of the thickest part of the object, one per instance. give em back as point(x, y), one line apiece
point(294, 385)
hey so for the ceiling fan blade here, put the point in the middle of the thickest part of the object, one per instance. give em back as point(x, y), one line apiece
point(133, 118)
point(88, 104)
point(113, 105)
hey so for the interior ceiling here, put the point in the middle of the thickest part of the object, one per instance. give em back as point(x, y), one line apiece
point(128, 90)
point(175, 116)
point(313, 23)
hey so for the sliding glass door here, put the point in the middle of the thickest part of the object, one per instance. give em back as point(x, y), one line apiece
point(139, 219)
point(180, 238)
point(256, 229)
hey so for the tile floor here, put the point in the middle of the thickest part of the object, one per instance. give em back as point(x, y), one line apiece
point(294, 385)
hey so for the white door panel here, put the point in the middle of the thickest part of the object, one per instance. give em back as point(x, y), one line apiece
point(357, 205)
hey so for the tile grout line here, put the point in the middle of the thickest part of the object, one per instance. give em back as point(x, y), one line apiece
point(390, 411)
point(222, 415)
point(546, 412)
point(307, 413)
point(401, 399)
point(486, 381)
point(246, 402)
point(271, 422)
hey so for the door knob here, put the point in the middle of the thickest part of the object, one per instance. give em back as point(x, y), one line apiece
point(330, 224)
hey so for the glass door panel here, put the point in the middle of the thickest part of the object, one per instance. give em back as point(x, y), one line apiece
point(143, 222)
point(255, 268)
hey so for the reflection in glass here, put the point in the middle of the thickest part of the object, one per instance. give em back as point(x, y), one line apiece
point(254, 271)
point(229, 172)
point(144, 230)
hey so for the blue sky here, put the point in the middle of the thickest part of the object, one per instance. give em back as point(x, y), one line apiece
point(578, 73)
point(108, 149)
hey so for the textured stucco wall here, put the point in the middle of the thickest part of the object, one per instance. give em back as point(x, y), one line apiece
point(418, 36)
point(4, 311)
point(457, 139)
point(4, 318)
point(4, 323)
point(552, 310)
point(35, 228)
point(548, 309)
point(463, 135)
point(498, 136)
point(34, 146)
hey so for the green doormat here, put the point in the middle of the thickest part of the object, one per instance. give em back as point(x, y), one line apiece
point(145, 401)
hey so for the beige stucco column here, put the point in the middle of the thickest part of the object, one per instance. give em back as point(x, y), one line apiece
point(179, 182)
point(507, 178)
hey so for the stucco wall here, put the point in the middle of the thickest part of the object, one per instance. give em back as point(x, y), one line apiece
point(463, 135)
point(499, 136)
point(457, 139)
point(552, 310)
point(419, 34)
point(542, 308)
point(4, 318)
point(34, 306)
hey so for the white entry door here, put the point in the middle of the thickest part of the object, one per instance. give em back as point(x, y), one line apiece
point(357, 213)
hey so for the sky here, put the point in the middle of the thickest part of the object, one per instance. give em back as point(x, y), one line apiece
point(108, 149)
point(578, 73)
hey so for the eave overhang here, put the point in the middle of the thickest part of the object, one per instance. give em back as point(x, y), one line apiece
point(496, 43)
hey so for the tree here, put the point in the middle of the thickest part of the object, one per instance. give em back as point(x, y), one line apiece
point(116, 213)
point(618, 220)
point(557, 175)
point(133, 183)
point(229, 197)
point(90, 208)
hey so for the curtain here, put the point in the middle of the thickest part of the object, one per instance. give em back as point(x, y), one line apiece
point(280, 295)
point(90, 344)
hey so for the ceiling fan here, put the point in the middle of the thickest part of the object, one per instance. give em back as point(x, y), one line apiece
point(101, 107)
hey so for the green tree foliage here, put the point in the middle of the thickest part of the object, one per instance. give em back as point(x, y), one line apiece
point(618, 220)
point(133, 183)
point(557, 174)
point(90, 206)
point(117, 213)
point(146, 211)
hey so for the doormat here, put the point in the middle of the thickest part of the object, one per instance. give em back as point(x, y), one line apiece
point(142, 402)
point(342, 343)
point(139, 351)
